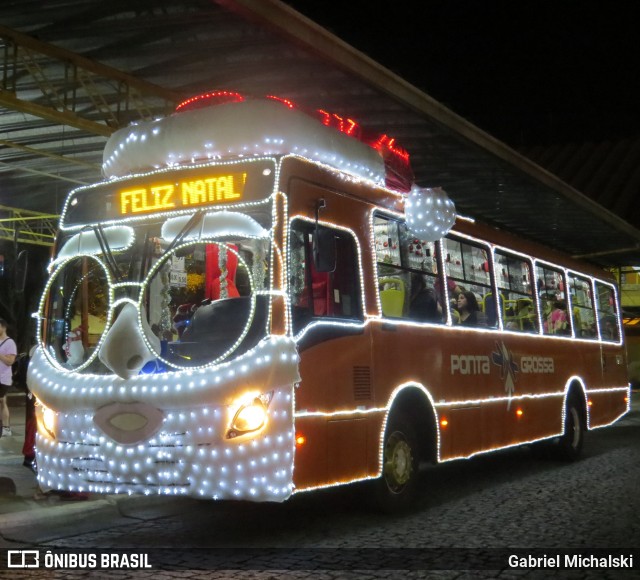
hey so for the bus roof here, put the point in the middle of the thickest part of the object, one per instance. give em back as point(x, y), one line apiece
point(224, 125)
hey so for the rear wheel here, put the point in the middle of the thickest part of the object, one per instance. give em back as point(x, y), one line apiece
point(572, 440)
point(396, 489)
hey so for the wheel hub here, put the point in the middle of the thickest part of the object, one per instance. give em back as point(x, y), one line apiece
point(398, 466)
point(574, 432)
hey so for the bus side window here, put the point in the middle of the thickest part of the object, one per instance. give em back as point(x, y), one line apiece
point(553, 307)
point(582, 313)
point(468, 269)
point(408, 277)
point(322, 294)
point(607, 312)
point(517, 300)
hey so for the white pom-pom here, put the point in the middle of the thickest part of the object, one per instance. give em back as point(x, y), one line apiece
point(430, 213)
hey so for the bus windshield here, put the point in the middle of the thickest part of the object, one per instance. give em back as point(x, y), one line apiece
point(201, 292)
point(206, 300)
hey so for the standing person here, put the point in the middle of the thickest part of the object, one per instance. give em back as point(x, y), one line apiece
point(8, 353)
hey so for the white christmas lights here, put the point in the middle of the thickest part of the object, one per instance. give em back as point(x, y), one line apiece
point(189, 452)
point(181, 456)
point(244, 129)
point(247, 326)
point(118, 238)
point(430, 213)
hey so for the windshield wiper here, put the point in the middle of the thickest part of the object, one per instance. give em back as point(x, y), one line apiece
point(106, 251)
point(145, 261)
point(195, 219)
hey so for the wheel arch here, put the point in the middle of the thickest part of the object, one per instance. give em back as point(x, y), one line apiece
point(416, 402)
point(575, 389)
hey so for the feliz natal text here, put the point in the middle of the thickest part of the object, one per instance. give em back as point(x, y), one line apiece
point(187, 193)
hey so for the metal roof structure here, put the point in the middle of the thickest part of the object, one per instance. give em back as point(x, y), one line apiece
point(606, 171)
point(73, 71)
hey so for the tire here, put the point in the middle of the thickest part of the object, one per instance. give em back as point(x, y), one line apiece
point(572, 440)
point(396, 489)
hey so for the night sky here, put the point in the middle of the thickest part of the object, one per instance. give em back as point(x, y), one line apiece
point(528, 72)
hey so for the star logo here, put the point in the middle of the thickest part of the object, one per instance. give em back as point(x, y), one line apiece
point(508, 368)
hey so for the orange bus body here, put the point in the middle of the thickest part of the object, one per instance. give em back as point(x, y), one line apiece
point(339, 380)
point(458, 393)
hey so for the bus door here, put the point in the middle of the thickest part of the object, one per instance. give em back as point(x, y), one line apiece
point(335, 359)
point(612, 354)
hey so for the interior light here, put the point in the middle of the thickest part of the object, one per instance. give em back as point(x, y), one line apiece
point(590, 403)
point(300, 439)
point(444, 422)
point(519, 412)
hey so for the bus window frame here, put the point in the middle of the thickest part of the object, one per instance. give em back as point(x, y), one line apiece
point(489, 248)
point(404, 268)
point(358, 306)
point(534, 293)
point(591, 284)
point(563, 272)
point(616, 314)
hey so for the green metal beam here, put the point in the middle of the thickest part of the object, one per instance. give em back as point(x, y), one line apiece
point(81, 84)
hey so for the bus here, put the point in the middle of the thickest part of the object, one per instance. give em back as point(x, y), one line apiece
point(257, 301)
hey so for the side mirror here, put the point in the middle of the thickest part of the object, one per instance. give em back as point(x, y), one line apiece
point(324, 249)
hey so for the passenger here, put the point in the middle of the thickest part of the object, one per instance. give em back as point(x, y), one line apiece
point(452, 288)
point(423, 306)
point(468, 309)
point(557, 322)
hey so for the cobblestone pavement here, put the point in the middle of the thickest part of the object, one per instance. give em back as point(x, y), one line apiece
point(475, 511)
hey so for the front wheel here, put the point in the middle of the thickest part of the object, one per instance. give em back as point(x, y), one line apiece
point(572, 440)
point(396, 489)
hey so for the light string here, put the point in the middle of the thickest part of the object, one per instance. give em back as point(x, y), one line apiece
point(462, 404)
point(184, 388)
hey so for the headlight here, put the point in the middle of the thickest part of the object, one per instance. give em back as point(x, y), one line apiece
point(250, 416)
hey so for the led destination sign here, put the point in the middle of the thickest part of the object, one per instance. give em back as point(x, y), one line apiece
point(178, 190)
point(190, 192)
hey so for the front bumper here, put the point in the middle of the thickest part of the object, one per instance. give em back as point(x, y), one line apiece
point(178, 444)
